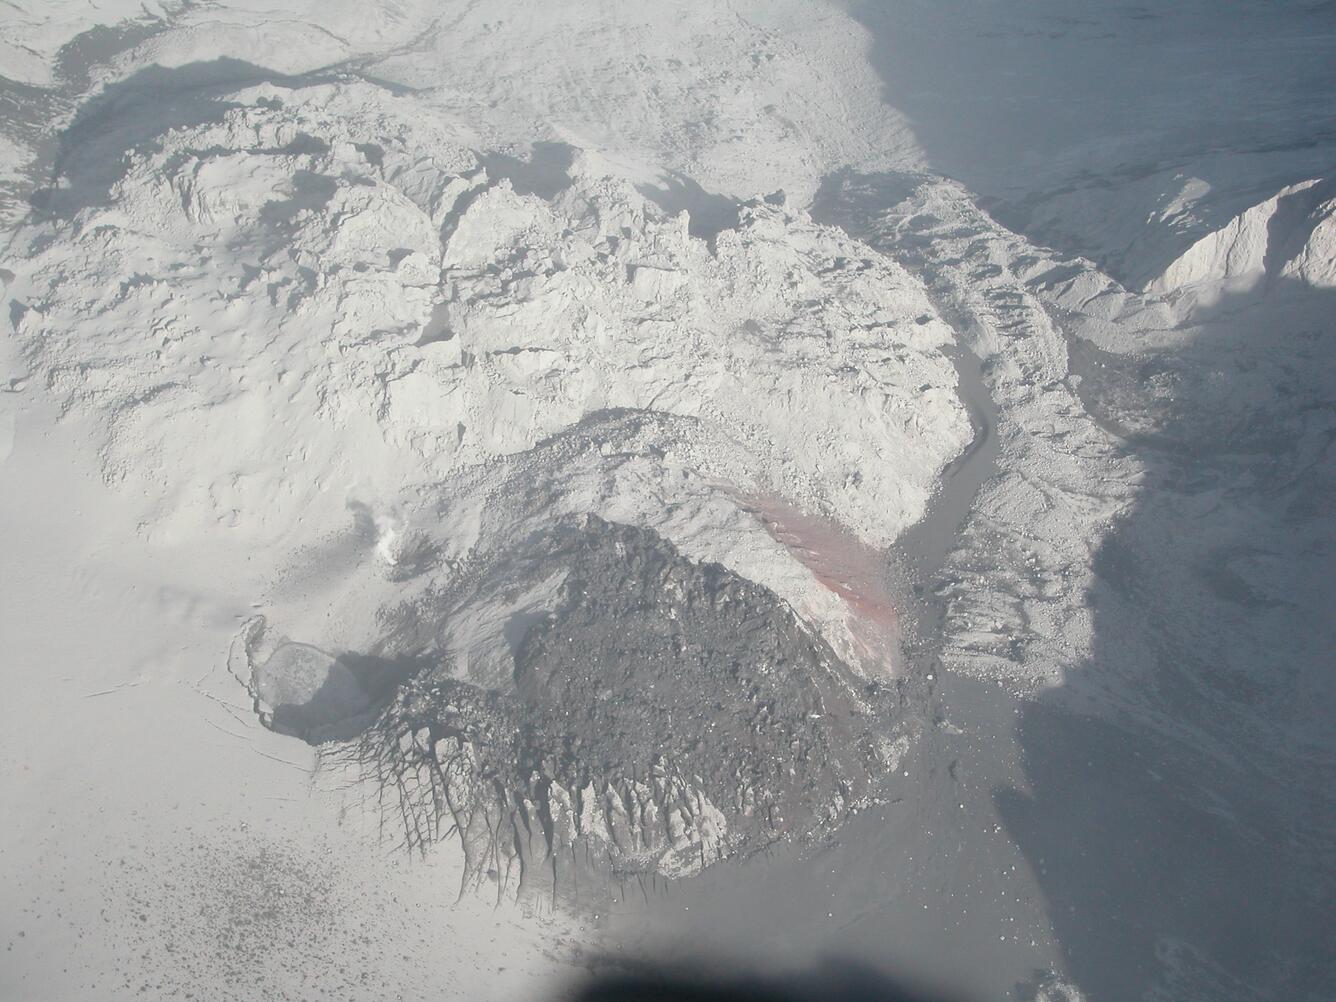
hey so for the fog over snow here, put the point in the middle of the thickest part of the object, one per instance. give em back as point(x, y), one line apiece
point(828, 496)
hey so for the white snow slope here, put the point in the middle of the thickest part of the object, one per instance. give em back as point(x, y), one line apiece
point(294, 294)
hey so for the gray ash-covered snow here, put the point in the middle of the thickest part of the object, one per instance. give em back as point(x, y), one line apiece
point(665, 715)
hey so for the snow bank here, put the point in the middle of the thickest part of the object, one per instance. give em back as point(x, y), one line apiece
point(315, 298)
point(1290, 236)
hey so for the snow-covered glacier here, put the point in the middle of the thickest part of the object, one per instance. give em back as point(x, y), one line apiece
point(834, 495)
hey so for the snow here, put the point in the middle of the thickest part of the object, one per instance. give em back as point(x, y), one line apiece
point(1289, 236)
point(35, 33)
point(264, 270)
point(324, 316)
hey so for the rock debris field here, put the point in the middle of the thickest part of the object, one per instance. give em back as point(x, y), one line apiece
point(494, 496)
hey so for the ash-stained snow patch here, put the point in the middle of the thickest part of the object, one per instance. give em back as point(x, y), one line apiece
point(301, 690)
point(846, 568)
point(232, 912)
point(662, 715)
point(250, 918)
